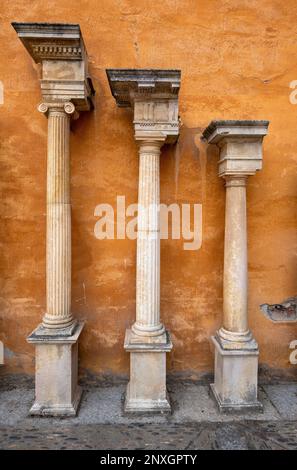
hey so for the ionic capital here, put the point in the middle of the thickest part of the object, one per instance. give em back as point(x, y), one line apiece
point(67, 108)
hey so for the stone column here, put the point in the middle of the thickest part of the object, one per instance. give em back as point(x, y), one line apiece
point(58, 235)
point(153, 95)
point(235, 321)
point(236, 351)
point(60, 51)
point(148, 242)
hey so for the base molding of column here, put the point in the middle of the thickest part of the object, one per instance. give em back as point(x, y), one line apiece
point(241, 341)
point(64, 409)
point(235, 385)
point(146, 405)
point(56, 372)
point(42, 332)
point(146, 391)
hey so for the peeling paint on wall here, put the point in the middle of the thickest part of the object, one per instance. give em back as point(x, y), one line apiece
point(284, 312)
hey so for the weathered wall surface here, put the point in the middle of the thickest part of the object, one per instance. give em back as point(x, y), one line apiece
point(237, 60)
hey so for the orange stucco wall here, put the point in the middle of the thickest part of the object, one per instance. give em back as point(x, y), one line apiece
point(237, 60)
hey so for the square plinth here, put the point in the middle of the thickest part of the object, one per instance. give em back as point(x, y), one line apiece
point(146, 391)
point(236, 379)
point(56, 373)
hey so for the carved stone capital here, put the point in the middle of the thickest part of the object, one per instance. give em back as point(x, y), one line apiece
point(156, 119)
point(64, 108)
point(60, 50)
point(150, 146)
point(237, 181)
point(153, 95)
point(240, 144)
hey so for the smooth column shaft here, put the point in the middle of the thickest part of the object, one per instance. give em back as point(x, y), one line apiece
point(235, 257)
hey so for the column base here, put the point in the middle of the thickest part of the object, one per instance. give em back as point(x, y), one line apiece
point(63, 409)
point(146, 391)
point(236, 378)
point(56, 389)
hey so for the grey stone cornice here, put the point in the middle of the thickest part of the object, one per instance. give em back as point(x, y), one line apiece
point(126, 84)
point(219, 129)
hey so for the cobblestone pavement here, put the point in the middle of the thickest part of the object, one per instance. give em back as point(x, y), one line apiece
point(241, 435)
point(194, 424)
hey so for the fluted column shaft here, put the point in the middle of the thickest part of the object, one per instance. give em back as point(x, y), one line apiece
point(148, 242)
point(58, 235)
point(235, 316)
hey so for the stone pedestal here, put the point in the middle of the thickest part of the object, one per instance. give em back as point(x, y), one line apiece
point(236, 372)
point(56, 356)
point(153, 96)
point(66, 91)
point(236, 351)
point(146, 391)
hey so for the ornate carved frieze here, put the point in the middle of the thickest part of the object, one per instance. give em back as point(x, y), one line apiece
point(55, 51)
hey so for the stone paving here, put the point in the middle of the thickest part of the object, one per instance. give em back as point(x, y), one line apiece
point(194, 424)
point(203, 436)
point(241, 435)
